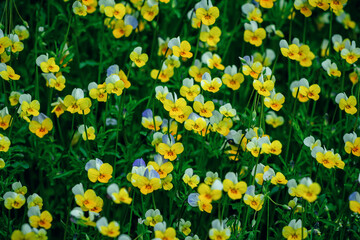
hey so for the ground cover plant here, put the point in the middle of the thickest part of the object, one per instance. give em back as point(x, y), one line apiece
point(171, 119)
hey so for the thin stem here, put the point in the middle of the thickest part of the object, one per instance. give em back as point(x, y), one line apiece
point(157, 77)
point(153, 200)
point(197, 45)
point(291, 124)
point(86, 135)
point(131, 212)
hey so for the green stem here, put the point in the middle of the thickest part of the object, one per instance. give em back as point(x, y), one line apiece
point(153, 200)
point(119, 118)
point(197, 45)
point(328, 48)
point(358, 109)
point(267, 220)
point(157, 77)
point(49, 101)
point(60, 131)
point(291, 124)
point(86, 136)
point(36, 67)
point(131, 212)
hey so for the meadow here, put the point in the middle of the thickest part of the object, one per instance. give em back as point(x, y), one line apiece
point(172, 119)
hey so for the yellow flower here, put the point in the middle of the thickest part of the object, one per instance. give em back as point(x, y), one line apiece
point(196, 71)
point(290, 51)
point(79, 8)
point(210, 85)
point(152, 217)
point(8, 73)
point(77, 103)
point(172, 62)
point(275, 101)
point(149, 13)
point(184, 227)
point(183, 50)
point(308, 190)
point(327, 159)
point(98, 91)
point(208, 16)
point(40, 125)
point(117, 11)
point(147, 120)
point(59, 107)
point(166, 182)
point(118, 195)
point(2, 163)
point(98, 171)
point(16, 45)
point(14, 98)
point(252, 68)
point(121, 29)
point(304, 7)
point(164, 75)
point(88, 201)
point(273, 120)
point(350, 53)
point(219, 231)
point(138, 58)
point(254, 201)
point(34, 200)
point(273, 148)
point(163, 47)
point(37, 219)
point(174, 105)
point(161, 165)
point(323, 4)
point(22, 32)
point(266, 3)
point(233, 187)
point(150, 182)
point(211, 37)
point(190, 179)
point(111, 229)
point(5, 42)
point(354, 77)
point(189, 90)
point(196, 123)
point(231, 78)
point(263, 88)
point(253, 34)
point(204, 109)
point(113, 85)
point(5, 118)
point(49, 66)
point(88, 133)
point(25, 233)
point(294, 231)
point(212, 60)
point(279, 178)
point(252, 13)
point(352, 144)
point(13, 200)
point(347, 104)
point(354, 202)
point(169, 149)
point(28, 107)
point(187, 110)
point(4, 143)
point(57, 82)
point(309, 93)
point(209, 194)
point(163, 233)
